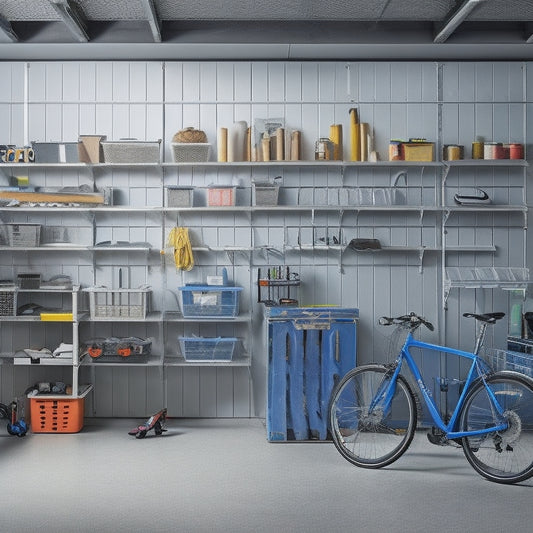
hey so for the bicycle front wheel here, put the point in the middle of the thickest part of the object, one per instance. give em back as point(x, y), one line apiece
point(371, 428)
point(502, 456)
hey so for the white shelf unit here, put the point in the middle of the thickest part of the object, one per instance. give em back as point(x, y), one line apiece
point(23, 328)
point(506, 183)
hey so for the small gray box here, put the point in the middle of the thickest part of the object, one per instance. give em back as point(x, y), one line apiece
point(178, 196)
point(56, 152)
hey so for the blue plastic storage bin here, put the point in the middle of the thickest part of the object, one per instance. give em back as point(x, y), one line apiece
point(207, 348)
point(209, 301)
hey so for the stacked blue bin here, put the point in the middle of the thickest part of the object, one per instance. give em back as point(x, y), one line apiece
point(310, 349)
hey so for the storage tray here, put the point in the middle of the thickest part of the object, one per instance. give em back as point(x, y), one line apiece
point(118, 303)
point(207, 348)
point(132, 151)
point(209, 301)
point(118, 349)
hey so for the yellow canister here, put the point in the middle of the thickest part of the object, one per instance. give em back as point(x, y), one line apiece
point(477, 150)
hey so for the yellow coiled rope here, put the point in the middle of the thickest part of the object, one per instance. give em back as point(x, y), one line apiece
point(178, 239)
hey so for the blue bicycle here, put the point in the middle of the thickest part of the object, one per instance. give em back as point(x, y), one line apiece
point(373, 409)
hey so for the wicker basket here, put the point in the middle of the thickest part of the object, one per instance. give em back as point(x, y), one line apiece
point(190, 135)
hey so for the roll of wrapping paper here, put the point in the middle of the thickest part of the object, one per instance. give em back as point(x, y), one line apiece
point(280, 144)
point(265, 147)
point(355, 142)
point(296, 143)
point(364, 131)
point(335, 136)
point(236, 140)
point(222, 145)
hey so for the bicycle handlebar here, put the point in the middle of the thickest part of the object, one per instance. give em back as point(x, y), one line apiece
point(412, 319)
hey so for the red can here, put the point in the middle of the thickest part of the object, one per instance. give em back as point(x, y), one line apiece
point(516, 151)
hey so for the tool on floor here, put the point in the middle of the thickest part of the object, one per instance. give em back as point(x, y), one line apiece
point(156, 422)
point(16, 426)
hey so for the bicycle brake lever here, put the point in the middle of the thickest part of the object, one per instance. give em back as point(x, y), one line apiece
point(428, 325)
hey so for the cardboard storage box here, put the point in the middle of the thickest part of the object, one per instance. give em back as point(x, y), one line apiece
point(419, 151)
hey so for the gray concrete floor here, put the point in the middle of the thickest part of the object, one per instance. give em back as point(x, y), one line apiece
point(207, 475)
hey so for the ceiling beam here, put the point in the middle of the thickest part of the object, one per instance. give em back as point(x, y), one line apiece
point(153, 19)
point(529, 33)
point(68, 12)
point(7, 30)
point(455, 19)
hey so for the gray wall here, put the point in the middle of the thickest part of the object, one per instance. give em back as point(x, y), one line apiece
point(445, 102)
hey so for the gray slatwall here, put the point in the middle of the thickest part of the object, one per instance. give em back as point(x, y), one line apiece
point(445, 102)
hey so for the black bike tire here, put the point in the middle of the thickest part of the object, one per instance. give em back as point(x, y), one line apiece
point(338, 439)
point(470, 448)
point(5, 411)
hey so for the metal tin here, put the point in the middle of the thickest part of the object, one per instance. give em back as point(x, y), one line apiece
point(323, 149)
point(477, 150)
point(516, 151)
point(453, 152)
point(489, 150)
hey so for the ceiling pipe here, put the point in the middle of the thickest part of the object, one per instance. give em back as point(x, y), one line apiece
point(68, 13)
point(456, 18)
point(7, 30)
point(153, 19)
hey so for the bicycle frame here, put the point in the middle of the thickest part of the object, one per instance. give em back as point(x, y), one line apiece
point(474, 372)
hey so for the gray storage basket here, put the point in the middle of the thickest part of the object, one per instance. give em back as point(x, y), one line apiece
point(132, 151)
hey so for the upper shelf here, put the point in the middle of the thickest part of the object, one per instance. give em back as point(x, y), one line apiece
point(300, 163)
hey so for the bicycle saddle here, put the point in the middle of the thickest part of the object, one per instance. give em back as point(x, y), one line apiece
point(485, 317)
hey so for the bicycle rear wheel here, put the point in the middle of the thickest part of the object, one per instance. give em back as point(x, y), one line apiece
point(501, 456)
point(366, 431)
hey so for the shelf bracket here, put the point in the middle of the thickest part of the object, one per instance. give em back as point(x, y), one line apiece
point(421, 253)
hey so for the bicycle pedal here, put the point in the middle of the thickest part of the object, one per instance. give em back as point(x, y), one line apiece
point(437, 439)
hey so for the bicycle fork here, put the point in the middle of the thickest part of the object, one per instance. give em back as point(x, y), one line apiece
point(381, 403)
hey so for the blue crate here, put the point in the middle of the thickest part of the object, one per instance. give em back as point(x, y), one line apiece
point(310, 349)
point(207, 348)
point(511, 360)
point(209, 301)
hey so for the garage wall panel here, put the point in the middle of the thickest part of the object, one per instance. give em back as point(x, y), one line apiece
point(453, 102)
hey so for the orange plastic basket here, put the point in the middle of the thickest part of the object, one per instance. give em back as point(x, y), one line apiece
point(50, 415)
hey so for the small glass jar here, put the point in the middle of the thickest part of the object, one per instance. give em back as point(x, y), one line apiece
point(323, 149)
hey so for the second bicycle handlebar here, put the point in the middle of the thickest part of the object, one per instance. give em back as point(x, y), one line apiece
point(412, 320)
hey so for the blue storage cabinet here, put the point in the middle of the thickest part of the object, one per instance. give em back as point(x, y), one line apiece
point(309, 349)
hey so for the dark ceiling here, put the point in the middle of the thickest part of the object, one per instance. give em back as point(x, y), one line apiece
point(269, 29)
